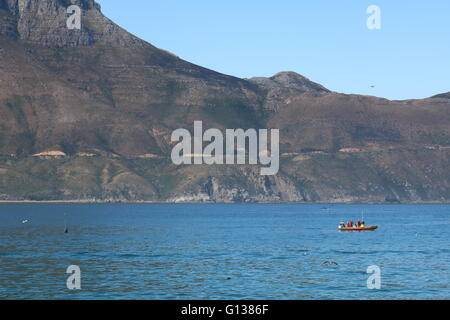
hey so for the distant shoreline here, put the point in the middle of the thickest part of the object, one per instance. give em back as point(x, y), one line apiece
point(187, 202)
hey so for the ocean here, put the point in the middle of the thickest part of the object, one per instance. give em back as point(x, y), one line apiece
point(223, 251)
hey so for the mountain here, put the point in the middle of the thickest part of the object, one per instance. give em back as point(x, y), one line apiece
point(443, 95)
point(87, 115)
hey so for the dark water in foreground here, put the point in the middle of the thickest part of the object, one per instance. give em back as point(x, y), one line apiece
point(223, 251)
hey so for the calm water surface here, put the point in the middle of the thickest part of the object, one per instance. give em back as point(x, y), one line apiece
point(223, 251)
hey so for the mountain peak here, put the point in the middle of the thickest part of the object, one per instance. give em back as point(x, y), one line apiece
point(289, 80)
point(44, 22)
point(294, 80)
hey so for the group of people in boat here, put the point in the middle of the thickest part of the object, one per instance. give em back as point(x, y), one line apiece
point(351, 224)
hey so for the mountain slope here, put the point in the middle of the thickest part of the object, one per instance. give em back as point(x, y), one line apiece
point(97, 106)
point(101, 87)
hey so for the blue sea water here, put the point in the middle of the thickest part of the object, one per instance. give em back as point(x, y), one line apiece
point(251, 251)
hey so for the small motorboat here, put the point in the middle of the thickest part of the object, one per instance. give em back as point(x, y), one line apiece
point(355, 228)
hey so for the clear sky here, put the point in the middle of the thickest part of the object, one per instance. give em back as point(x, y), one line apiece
point(325, 40)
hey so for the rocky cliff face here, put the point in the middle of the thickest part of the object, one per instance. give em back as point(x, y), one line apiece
point(44, 23)
point(88, 114)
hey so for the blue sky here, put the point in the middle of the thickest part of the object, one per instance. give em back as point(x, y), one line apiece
point(325, 40)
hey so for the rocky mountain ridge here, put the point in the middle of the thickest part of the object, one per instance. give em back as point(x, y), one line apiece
point(87, 115)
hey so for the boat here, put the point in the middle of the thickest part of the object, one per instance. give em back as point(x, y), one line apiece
point(370, 228)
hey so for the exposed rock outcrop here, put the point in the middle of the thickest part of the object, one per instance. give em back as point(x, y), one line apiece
point(44, 22)
point(283, 85)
